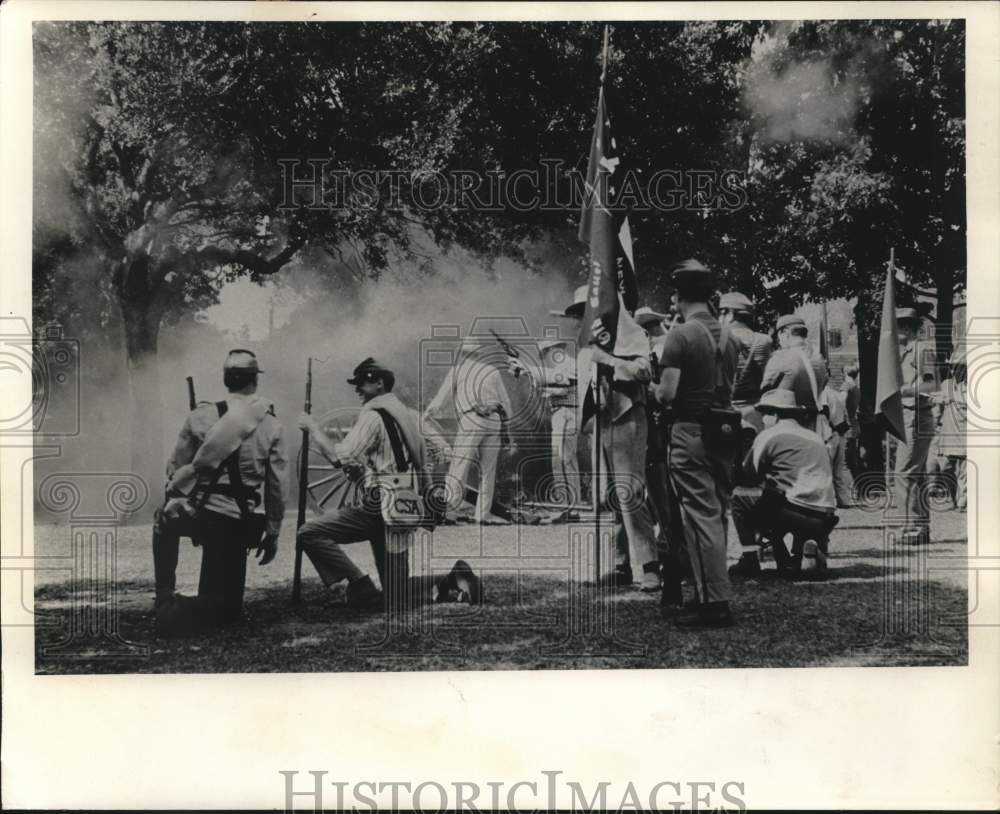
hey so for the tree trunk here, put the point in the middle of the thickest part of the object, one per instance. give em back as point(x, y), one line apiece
point(141, 319)
point(866, 318)
point(944, 282)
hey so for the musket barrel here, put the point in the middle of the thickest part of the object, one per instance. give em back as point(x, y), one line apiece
point(303, 488)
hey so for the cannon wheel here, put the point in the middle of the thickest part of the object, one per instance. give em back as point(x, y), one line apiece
point(327, 487)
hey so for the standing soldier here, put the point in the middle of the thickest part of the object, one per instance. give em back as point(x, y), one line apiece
point(793, 367)
point(951, 401)
point(476, 389)
point(623, 440)
point(852, 403)
point(244, 491)
point(557, 381)
point(918, 418)
point(697, 368)
point(737, 311)
point(843, 483)
point(657, 491)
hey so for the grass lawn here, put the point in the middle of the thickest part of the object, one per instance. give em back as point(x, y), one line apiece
point(882, 605)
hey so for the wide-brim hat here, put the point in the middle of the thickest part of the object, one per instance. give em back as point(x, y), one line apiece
point(368, 371)
point(577, 307)
point(790, 321)
point(240, 359)
point(644, 315)
point(546, 344)
point(778, 401)
point(910, 315)
point(690, 272)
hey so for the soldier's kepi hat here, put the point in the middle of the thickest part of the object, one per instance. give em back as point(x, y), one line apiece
point(778, 401)
point(908, 315)
point(790, 321)
point(577, 307)
point(735, 301)
point(368, 371)
point(240, 359)
point(690, 271)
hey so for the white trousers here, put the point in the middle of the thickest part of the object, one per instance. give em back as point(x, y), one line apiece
point(476, 445)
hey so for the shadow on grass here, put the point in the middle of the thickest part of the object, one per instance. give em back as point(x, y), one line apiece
point(533, 622)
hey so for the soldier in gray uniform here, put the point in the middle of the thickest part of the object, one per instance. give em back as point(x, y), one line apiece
point(737, 311)
point(244, 503)
point(697, 367)
point(798, 497)
point(793, 367)
point(919, 382)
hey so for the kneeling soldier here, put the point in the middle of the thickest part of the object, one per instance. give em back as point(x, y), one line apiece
point(367, 451)
point(231, 457)
point(798, 498)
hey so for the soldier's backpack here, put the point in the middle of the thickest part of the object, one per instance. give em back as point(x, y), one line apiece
point(180, 513)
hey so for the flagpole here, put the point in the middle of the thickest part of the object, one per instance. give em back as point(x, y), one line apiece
point(826, 333)
point(885, 476)
point(604, 54)
point(596, 379)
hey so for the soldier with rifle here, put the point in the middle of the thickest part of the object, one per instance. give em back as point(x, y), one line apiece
point(385, 440)
point(226, 490)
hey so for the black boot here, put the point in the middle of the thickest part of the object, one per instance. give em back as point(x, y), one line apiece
point(363, 595)
point(748, 566)
point(166, 547)
point(706, 614)
point(620, 577)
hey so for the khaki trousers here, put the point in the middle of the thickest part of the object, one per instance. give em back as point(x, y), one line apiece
point(911, 478)
point(703, 484)
point(477, 444)
point(843, 483)
point(624, 444)
point(565, 463)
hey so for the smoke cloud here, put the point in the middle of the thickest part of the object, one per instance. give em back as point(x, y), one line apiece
point(804, 99)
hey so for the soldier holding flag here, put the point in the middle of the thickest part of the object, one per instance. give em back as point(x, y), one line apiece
point(619, 353)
